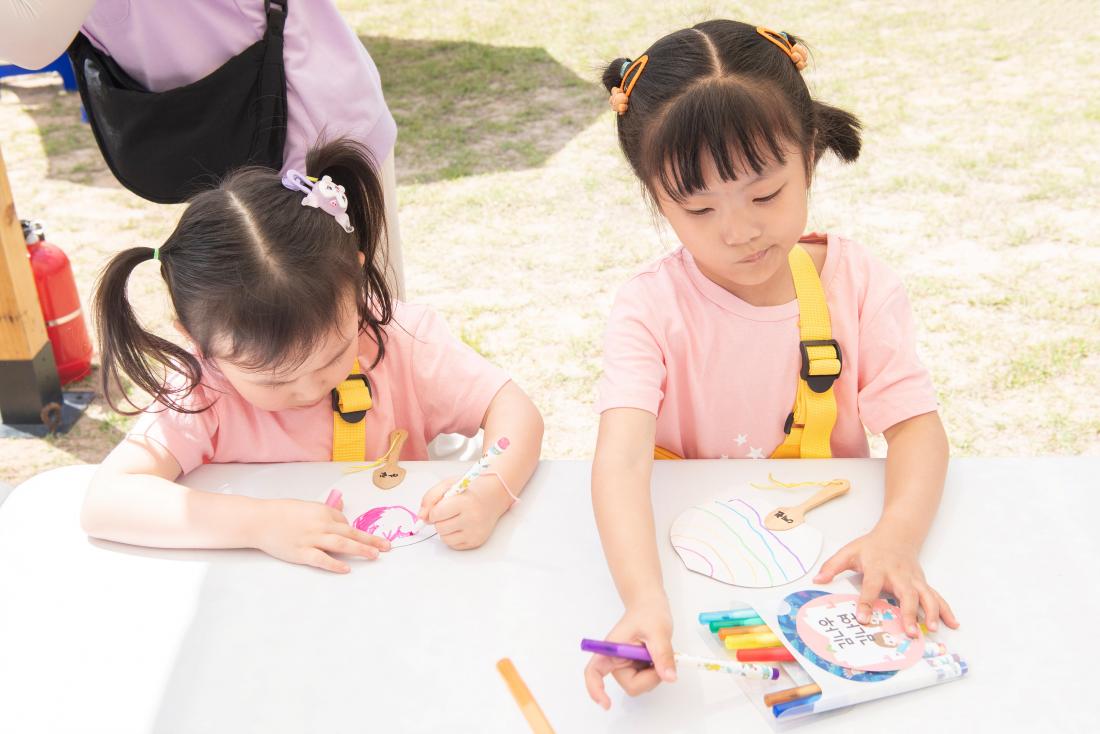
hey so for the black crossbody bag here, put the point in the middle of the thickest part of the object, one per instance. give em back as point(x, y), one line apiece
point(167, 146)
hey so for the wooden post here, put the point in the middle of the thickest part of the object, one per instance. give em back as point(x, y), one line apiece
point(28, 374)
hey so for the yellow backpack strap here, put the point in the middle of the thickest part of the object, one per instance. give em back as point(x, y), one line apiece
point(810, 424)
point(351, 400)
point(661, 453)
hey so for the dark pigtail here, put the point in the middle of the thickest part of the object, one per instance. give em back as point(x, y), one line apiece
point(128, 349)
point(255, 278)
point(729, 91)
point(351, 165)
point(836, 130)
point(613, 74)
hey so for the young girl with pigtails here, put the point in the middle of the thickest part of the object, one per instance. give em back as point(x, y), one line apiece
point(295, 351)
point(751, 339)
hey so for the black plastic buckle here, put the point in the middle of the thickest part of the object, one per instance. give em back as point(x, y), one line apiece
point(819, 383)
point(354, 416)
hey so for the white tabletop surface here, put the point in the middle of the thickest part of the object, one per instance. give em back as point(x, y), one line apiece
point(101, 637)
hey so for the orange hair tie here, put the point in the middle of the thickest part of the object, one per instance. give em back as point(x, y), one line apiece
point(795, 52)
point(620, 96)
point(639, 64)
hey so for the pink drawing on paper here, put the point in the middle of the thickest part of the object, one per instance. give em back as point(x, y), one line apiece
point(394, 523)
point(828, 625)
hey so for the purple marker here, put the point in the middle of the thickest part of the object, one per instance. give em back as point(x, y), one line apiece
point(639, 652)
point(617, 650)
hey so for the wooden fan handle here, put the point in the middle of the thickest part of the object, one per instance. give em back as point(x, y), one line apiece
point(833, 489)
point(397, 441)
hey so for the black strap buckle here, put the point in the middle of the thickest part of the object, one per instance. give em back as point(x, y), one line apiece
point(354, 416)
point(819, 383)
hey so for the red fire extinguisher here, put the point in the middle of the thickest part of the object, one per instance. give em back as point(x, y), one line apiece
point(53, 276)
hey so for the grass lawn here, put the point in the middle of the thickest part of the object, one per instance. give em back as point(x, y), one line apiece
point(979, 183)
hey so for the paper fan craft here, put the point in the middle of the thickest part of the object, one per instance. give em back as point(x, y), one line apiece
point(727, 540)
point(388, 513)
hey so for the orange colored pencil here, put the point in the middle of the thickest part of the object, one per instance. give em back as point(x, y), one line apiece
point(527, 704)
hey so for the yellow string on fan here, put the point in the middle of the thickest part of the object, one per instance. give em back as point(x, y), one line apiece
point(776, 484)
point(377, 462)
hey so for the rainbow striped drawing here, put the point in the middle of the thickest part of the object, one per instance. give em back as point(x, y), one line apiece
point(727, 540)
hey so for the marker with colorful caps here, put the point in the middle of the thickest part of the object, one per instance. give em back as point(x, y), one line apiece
point(791, 694)
point(639, 652)
point(781, 708)
point(721, 624)
point(749, 642)
point(705, 617)
point(765, 655)
point(756, 629)
point(473, 473)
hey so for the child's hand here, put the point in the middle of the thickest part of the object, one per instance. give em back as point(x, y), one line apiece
point(649, 623)
point(465, 520)
point(891, 567)
point(306, 532)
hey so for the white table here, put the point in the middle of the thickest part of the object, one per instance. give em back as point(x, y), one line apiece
point(100, 637)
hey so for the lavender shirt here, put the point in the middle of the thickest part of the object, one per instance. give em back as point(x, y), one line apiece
point(332, 85)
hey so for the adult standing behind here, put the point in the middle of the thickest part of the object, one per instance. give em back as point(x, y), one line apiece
point(184, 53)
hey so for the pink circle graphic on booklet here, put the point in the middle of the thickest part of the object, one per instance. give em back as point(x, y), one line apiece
point(828, 626)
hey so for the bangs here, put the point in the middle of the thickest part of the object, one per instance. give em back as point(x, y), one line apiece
point(278, 328)
point(740, 126)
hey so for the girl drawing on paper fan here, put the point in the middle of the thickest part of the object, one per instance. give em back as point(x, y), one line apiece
point(713, 343)
point(279, 306)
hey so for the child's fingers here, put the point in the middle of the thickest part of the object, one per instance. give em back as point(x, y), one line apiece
point(594, 672)
point(319, 559)
point(446, 527)
point(463, 542)
point(869, 591)
point(636, 681)
point(362, 537)
point(946, 613)
point(445, 510)
point(840, 561)
point(930, 603)
point(334, 543)
point(909, 599)
point(453, 539)
point(432, 496)
point(660, 650)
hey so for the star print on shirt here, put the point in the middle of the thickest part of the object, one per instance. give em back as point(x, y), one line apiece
point(741, 438)
point(756, 454)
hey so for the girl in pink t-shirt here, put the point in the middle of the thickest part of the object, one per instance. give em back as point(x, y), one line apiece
point(278, 286)
point(702, 350)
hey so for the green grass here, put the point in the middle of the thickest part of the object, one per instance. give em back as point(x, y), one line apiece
point(1032, 365)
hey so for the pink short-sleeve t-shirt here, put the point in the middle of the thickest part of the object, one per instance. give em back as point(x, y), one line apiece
point(428, 383)
point(720, 374)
